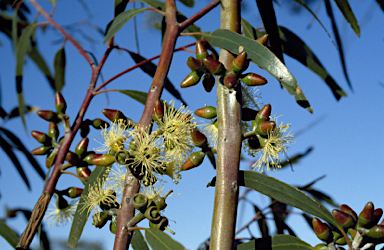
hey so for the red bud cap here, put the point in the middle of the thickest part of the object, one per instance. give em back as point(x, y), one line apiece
point(41, 137)
point(60, 104)
point(208, 82)
point(192, 79)
point(81, 148)
point(158, 110)
point(263, 39)
point(72, 158)
point(194, 160)
point(99, 124)
point(239, 64)
point(265, 127)
point(208, 112)
point(83, 172)
point(376, 232)
point(99, 159)
point(74, 192)
point(201, 51)
point(263, 114)
point(252, 79)
point(346, 209)
point(42, 150)
point(366, 217)
point(199, 139)
point(48, 115)
point(194, 64)
point(377, 213)
point(113, 114)
point(322, 231)
point(343, 219)
point(230, 81)
point(214, 66)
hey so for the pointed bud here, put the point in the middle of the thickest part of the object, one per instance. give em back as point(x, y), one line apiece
point(83, 172)
point(140, 201)
point(344, 219)
point(51, 158)
point(239, 64)
point(214, 66)
point(42, 150)
point(48, 115)
point(264, 114)
point(377, 213)
point(194, 160)
point(99, 159)
point(152, 214)
point(346, 209)
point(194, 64)
point(158, 112)
point(99, 124)
point(53, 131)
point(322, 230)
point(199, 139)
point(72, 158)
point(376, 232)
point(230, 80)
point(208, 82)
point(252, 79)
point(263, 39)
point(60, 104)
point(341, 241)
point(366, 217)
point(201, 51)
point(42, 138)
point(248, 114)
point(208, 112)
point(81, 147)
point(192, 79)
point(113, 114)
point(265, 127)
point(73, 192)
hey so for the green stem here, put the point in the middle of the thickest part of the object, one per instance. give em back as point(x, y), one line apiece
point(229, 144)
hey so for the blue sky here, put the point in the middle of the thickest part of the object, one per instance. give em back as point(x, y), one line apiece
point(347, 136)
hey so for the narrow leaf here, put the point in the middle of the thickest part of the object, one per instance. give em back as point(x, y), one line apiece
point(159, 240)
point(8, 234)
point(137, 95)
point(268, 16)
point(263, 57)
point(8, 150)
point(81, 217)
point(188, 3)
point(338, 41)
point(36, 57)
point(155, 4)
point(120, 6)
point(150, 69)
point(138, 242)
point(248, 30)
point(119, 22)
point(59, 69)
point(277, 242)
point(20, 146)
point(345, 8)
point(381, 4)
point(23, 45)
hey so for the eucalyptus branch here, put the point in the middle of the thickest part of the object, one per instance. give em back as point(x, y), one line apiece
point(199, 14)
point(229, 144)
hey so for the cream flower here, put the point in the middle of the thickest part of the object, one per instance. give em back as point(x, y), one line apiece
point(114, 136)
point(250, 97)
point(276, 143)
point(211, 131)
point(116, 178)
point(61, 216)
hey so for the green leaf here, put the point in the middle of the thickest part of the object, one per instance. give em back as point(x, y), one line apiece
point(59, 69)
point(286, 194)
point(345, 8)
point(263, 57)
point(81, 217)
point(8, 234)
point(188, 3)
point(155, 4)
point(138, 242)
point(277, 242)
point(119, 22)
point(248, 30)
point(120, 6)
point(35, 55)
point(159, 240)
point(137, 95)
point(23, 45)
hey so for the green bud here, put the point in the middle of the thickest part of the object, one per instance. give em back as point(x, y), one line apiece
point(366, 217)
point(346, 209)
point(239, 64)
point(263, 115)
point(344, 219)
point(208, 82)
point(201, 51)
point(322, 230)
point(159, 202)
point(194, 160)
point(199, 139)
point(252, 79)
point(51, 158)
point(48, 115)
point(81, 147)
point(99, 124)
point(194, 64)
point(265, 127)
point(99, 159)
point(42, 150)
point(60, 104)
point(53, 131)
point(214, 66)
point(113, 226)
point(376, 232)
point(73, 192)
point(83, 172)
point(42, 138)
point(208, 112)
point(321, 246)
point(192, 79)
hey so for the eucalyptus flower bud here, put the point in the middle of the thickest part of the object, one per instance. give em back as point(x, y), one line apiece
point(60, 104)
point(262, 39)
point(51, 158)
point(376, 232)
point(41, 137)
point(99, 124)
point(230, 80)
point(252, 79)
point(322, 230)
point(195, 64)
point(99, 159)
point(201, 51)
point(346, 209)
point(321, 246)
point(192, 79)
point(199, 139)
point(208, 82)
point(377, 213)
point(83, 172)
point(194, 160)
point(72, 158)
point(81, 147)
point(48, 115)
point(239, 64)
point(344, 219)
point(42, 150)
point(254, 142)
point(214, 66)
point(264, 114)
point(113, 114)
point(113, 226)
point(366, 217)
point(265, 127)
point(208, 112)
point(73, 192)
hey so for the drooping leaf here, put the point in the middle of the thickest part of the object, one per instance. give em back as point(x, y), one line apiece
point(381, 4)
point(119, 22)
point(8, 234)
point(338, 41)
point(8, 150)
point(263, 57)
point(188, 3)
point(137, 95)
point(26, 152)
point(248, 30)
point(296, 158)
point(138, 242)
point(36, 57)
point(80, 217)
point(277, 242)
point(120, 6)
point(320, 196)
point(267, 13)
point(22, 47)
point(59, 69)
point(345, 8)
point(159, 240)
point(150, 69)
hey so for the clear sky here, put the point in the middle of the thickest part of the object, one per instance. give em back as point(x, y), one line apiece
point(346, 135)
